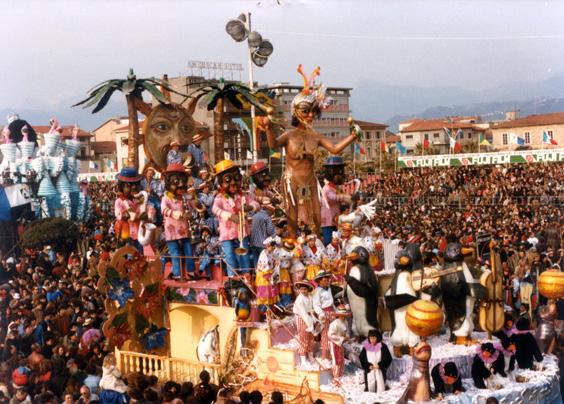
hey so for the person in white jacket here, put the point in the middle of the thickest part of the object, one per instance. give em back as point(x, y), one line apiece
point(338, 333)
point(111, 376)
point(303, 310)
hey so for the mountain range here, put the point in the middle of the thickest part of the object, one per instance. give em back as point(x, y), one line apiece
point(377, 102)
point(371, 101)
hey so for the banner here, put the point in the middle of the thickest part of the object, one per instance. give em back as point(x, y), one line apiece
point(480, 159)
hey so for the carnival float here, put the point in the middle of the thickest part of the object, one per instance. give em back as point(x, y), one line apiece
point(445, 327)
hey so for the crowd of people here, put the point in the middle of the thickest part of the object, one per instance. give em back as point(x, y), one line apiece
point(51, 313)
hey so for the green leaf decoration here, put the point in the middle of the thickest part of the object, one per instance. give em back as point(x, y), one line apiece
point(129, 86)
point(155, 92)
point(232, 97)
point(103, 101)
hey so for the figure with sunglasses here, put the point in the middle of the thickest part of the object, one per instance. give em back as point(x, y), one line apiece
point(230, 207)
point(260, 188)
point(175, 220)
point(126, 208)
point(300, 186)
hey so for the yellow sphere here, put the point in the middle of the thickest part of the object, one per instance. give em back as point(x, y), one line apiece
point(551, 284)
point(269, 110)
point(424, 317)
point(350, 120)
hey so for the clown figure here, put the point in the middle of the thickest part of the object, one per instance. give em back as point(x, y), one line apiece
point(175, 220)
point(126, 208)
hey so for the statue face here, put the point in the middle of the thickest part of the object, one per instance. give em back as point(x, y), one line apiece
point(306, 112)
point(262, 179)
point(129, 188)
point(176, 183)
point(231, 182)
point(165, 124)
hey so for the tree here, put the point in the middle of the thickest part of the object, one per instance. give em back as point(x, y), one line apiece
point(55, 231)
point(238, 95)
point(133, 89)
point(431, 150)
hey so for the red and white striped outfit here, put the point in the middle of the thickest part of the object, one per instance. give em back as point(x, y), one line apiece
point(337, 333)
point(324, 307)
point(303, 307)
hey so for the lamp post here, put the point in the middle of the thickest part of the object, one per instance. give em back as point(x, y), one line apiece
point(259, 50)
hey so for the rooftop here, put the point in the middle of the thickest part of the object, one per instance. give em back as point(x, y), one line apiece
point(367, 125)
point(418, 125)
point(532, 120)
point(67, 131)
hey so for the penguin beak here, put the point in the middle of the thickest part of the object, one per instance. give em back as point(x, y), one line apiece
point(352, 256)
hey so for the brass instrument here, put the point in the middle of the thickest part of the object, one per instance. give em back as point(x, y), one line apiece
point(195, 203)
point(241, 250)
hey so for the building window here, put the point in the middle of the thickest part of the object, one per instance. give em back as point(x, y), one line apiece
point(436, 135)
point(469, 135)
point(550, 135)
point(426, 136)
point(369, 152)
point(527, 138)
point(378, 134)
point(461, 135)
point(504, 138)
point(367, 133)
point(408, 137)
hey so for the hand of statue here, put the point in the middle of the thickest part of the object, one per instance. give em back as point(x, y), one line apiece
point(263, 123)
point(234, 218)
point(125, 216)
point(249, 208)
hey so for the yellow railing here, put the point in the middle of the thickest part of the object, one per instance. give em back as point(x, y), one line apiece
point(165, 368)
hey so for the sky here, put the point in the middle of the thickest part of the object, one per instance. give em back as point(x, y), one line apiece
point(55, 50)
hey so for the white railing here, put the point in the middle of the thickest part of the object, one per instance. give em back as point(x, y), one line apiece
point(165, 368)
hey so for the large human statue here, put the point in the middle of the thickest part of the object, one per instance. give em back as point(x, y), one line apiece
point(301, 189)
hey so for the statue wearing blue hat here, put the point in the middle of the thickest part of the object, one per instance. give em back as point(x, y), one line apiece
point(126, 207)
point(334, 169)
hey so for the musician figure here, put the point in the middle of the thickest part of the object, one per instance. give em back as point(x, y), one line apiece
point(231, 207)
point(176, 215)
point(155, 189)
point(126, 208)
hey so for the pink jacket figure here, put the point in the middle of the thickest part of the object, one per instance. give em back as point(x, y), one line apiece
point(172, 209)
point(130, 226)
point(223, 207)
point(328, 214)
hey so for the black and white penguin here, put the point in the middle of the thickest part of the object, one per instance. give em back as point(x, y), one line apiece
point(526, 348)
point(457, 295)
point(362, 293)
point(398, 297)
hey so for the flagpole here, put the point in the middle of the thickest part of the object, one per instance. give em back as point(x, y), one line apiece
point(396, 161)
point(354, 161)
point(380, 158)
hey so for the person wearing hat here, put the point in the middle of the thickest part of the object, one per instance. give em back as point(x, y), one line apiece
point(284, 257)
point(205, 196)
point(333, 252)
point(155, 189)
point(267, 290)
point(446, 379)
point(207, 248)
point(337, 334)
point(300, 185)
point(231, 207)
point(305, 320)
point(174, 156)
point(175, 215)
point(261, 228)
point(324, 308)
point(126, 208)
point(330, 209)
point(375, 359)
point(313, 255)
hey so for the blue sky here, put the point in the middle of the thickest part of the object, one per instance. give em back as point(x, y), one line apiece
point(55, 50)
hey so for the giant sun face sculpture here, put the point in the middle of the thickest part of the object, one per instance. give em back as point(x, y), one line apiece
point(165, 123)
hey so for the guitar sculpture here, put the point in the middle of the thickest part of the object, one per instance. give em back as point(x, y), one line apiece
point(431, 276)
point(491, 315)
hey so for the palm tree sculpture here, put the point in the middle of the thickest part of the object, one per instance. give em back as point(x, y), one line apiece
point(239, 96)
point(133, 89)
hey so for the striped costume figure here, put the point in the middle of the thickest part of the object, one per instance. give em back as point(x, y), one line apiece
point(337, 335)
point(303, 311)
point(324, 308)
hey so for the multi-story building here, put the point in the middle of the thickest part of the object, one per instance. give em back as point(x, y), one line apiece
point(531, 129)
point(372, 135)
point(334, 120)
point(415, 131)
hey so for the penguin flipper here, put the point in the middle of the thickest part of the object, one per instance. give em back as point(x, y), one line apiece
point(359, 288)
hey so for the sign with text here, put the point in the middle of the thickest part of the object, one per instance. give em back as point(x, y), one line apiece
point(479, 159)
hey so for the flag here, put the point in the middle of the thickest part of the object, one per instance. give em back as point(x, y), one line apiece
point(359, 149)
point(454, 145)
point(447, 131)
point(425, 144)
point(249, 155)
point(548, 139)
point(275, 155)
point(513, 138)
point(458, 133)
point(484, 141)
point(226, 156)
point(400, 148)
point(92, 165)
point(383, 146)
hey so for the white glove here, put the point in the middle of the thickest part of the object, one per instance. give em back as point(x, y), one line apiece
point(176, 214)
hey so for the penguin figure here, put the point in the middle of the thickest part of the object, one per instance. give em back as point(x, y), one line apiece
point(398, 297)
point(457, 296)
point(527, 350)
point(487, 363)
point(362, 293)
